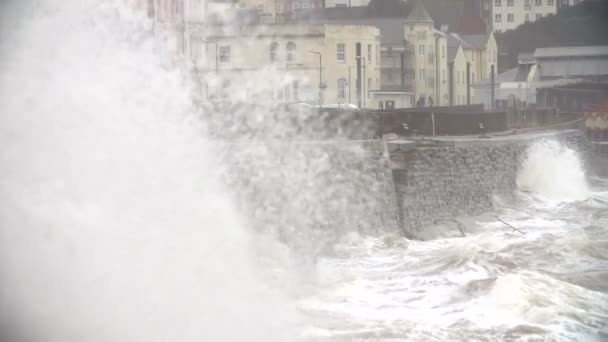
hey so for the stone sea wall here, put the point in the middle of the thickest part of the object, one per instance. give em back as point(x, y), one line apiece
point(438, 180)
point(311, 193)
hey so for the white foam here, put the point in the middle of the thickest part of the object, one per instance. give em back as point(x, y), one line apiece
point(553, 172)
point(112, 224)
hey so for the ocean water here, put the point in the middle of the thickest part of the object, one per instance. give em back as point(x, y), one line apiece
point(546, 282)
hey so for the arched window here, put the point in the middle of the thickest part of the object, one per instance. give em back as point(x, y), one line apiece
point(291, 52)
point(273, 51)
point(342, 88)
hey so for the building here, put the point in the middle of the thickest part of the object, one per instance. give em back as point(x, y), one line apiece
point(427, 60)
point(503, 15)
point(414, 52)
point(514, 88)
point(289, 63)
point(567, 78)
point(346, 3)
point(567, 3)
point(570, 78)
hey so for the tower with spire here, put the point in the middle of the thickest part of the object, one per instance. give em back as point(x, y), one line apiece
point(427, 62)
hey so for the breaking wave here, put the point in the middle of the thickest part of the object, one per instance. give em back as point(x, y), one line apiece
point(554, 172)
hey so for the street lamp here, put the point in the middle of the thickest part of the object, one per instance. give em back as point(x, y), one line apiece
point(320, 73)
point(364, 80)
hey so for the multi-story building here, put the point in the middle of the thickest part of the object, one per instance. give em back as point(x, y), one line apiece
point(503, 15)
point(346, 3)
point(427, 60)
point(509, 14)
point(479, 59)
point(567, 3)
point(290, 63)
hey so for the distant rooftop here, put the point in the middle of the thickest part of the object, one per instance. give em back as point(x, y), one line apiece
point(573, 51)
point(419, 14)
point(468, 41)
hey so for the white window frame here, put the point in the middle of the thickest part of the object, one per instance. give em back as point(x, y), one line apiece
point(341, 55)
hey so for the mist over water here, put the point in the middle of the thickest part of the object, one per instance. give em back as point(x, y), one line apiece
point(113, 224)
point(116, 223)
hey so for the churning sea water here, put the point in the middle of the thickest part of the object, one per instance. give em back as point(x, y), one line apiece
point(548, 282)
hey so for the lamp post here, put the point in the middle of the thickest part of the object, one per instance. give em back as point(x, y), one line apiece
point(363, 83)
point(320, 74)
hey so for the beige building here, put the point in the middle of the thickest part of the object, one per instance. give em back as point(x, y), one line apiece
point(427, 62)
point(346, 3)
point(280, 63)
point(471, 58)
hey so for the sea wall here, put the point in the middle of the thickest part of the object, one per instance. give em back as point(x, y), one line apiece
point(309, 193)
point(437, 180)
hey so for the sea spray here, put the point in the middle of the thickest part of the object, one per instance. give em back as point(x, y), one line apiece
point(113, 226)
point(554, 172)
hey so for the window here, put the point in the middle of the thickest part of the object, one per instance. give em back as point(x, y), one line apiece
point(510, 2)
point(497, 3)
point(538, 16)
point(273, 51)
point(369, 53)
point(422, 74)
point(473, 77)
point(550, 2)
point(510, 17)
point(341, 53)
point(342, 88)
point(443, 51)
point(538, 2)
point(498, 17)
point(457, 76)
point(527, 16)
point(443, 76)
point(291, 52)
point(527, 3)
point(224, 54)
point(369, 86)
point(421, 49)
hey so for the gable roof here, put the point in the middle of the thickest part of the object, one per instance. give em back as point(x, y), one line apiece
point(468, 41)
point(571, 51)
point(419, 14)
point(469, 23)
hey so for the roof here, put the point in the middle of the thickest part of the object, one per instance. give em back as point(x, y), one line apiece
point(525, 57)
point(572, 51)
point(419, 14)
point(469, 23)
point(511, 75)
point(474, 41)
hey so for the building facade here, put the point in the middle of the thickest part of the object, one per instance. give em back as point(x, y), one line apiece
point(346, 3)
point(291, 63)
point(503, 15)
